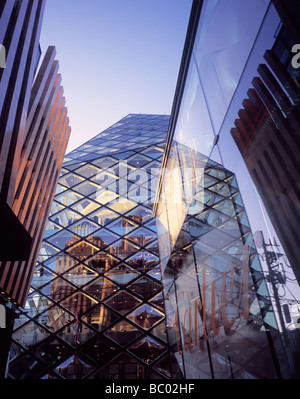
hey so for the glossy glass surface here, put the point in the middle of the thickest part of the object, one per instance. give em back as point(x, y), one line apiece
point(96, 306)
point(224, 217)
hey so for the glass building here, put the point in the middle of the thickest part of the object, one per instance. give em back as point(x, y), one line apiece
point(172, 243)
point(95, 307)
point(227, 205)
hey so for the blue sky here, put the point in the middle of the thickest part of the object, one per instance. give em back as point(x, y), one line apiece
point(116, 57)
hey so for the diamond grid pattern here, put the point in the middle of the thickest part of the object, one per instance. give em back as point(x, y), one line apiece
point(217, 235)
point(96, 293)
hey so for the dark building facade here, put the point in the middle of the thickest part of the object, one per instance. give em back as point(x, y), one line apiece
point(34, 131)
point(95, 307)
point(227, 205)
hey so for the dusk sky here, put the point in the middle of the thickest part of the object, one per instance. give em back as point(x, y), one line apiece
point(116, 57)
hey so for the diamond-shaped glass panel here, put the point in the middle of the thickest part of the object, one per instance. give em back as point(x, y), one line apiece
point(151, 224)
point(82, 249)
point(123, 333)
point(140, 214)
point(227, 208)
point(56, 207)
point(141, 236)
point(123, 302)
point(73, 368)
point(41, 276)
point(153, 166)
point(59, 189)
point(60, 263)
point(143, 260)
point(160, 331)
point(158, 301)
point(122, 226)
point(138, 160)
point(79, 303)
point(27, 367)
point(72, 165)
point(153, 152)
point(105, 162)
point(84, 227)
point(122, 274)
point(70, 180)
point(86, 188)
point(122, 249)
point(76, 333)
point(146, 316)
point(63, 239)
point(100, 349)
point(153, 247)
point(46, 251)
point(101, 288)
point(155, 273)
point(54, 318)
point(164, 367)
point(52, 351)
point(145, 287)
point(104, 196)
point(85, 206)
point(36, 303)
point(68, 197)
point(30, 334)
point(58, 289)
point(102, 261)
point(102, 238)
point(66, 217)
point(105, 178)
point(100, 317)
point(147, 349)
point(88, 170)
point(122, 205)
point(80, 275)
point(103, 216)
point(51, 228)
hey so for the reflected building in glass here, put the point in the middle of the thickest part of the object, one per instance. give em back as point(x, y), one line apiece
point(95, 308)
point(227, 205)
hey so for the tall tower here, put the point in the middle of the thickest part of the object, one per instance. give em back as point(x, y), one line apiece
point(95, 307)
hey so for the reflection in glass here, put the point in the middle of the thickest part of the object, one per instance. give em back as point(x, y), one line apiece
point(122, 274)
point(98, 264)
point(123, 302)
point(143, 260)
point(102, 261)
point(146, 316)
point(147, 349)
point(101, 288)
point(123, 333)
point(145, 287)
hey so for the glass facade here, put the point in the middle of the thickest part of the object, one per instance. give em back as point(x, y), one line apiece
point(171, 246)
point(228, 204)
point(95, 307)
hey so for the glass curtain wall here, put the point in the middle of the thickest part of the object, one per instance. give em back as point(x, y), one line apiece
point(95, 308)
point(232, 299)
